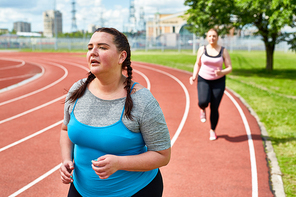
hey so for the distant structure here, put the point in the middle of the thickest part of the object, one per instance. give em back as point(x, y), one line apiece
point(166, 27)
point(102, 20)
point(142, 22)
point(4, 31)
point(22, 26)
point(131, 27)
point(91, 28)
point(74, 25)
point(49, 18)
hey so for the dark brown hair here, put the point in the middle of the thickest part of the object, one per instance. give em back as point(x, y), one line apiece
point(215, 30)
point(122, 44)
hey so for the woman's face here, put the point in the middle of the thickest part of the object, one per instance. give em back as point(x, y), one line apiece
point(212, 37)
point(102, 55)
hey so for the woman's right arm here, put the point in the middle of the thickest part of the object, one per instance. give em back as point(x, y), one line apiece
point(67, 165)
point(196, 65)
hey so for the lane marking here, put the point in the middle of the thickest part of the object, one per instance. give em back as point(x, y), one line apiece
point(251, 147)
point(35, 181)
point(145, 77)
point(17, 77)
point(187, 106)
point(41, 89)
point(13, 66)
point(31, 136)
point(41, 106)
point(31, 110)
point(25, 81)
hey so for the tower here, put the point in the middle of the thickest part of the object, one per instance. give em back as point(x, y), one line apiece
point(142, 23)
point(74, 26)
point(132, 18)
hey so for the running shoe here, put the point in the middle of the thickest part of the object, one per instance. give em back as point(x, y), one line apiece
point(203, 116)
point(213, 135)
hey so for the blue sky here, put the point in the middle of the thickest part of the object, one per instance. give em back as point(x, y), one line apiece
point(114, 12)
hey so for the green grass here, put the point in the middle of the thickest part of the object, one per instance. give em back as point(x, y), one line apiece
point(271, 94)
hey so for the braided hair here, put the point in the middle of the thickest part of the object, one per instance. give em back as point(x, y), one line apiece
point(122, 44)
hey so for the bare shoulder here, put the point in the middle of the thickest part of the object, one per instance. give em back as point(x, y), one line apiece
point(225, 52)
point(137, 87)
point(200, 50)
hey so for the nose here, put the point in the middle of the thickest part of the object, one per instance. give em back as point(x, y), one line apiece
point(94, 52)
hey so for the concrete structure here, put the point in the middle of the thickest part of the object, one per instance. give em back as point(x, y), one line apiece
point(4, 31)
point(167, 27)
point(51, 17)
point(20, 26)
point(29, 34)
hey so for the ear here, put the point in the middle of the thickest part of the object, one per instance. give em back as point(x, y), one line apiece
point(122, 57)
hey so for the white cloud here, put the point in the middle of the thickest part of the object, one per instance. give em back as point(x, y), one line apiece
point(115, 13)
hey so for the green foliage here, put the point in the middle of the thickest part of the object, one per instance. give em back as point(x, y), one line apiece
point(269, 18)
point(77, 34)
point(207, 14)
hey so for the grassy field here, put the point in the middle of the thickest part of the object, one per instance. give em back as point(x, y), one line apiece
point(271, 94)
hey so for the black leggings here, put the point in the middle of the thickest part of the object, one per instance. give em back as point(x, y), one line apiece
point(211, 91)
point(154, 188)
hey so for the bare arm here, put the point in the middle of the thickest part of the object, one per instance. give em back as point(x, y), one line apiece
point(108, 164)
point(196, 65)
point(66, 151)
point(227, 63)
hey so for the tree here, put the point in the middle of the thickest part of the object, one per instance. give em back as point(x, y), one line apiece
point(268, 16)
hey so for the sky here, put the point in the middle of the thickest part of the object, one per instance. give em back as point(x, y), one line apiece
point(114, 13)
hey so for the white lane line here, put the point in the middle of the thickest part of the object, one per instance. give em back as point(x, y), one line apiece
point(17, 77)
point(31, 110)
point(25, 81)
point(41, 89)
point(13, 66)
point(148, 87)
point(145, 77)
point(185, 115)
point(31, 136)
point(251, 147)
point(35, 181)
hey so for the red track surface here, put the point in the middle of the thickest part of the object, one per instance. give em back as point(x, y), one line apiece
point(30, 118)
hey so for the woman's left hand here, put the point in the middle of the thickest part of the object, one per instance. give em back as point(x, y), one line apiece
point(105, 166)
point(218, 72)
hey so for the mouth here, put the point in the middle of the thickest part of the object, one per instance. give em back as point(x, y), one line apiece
point(94, 62)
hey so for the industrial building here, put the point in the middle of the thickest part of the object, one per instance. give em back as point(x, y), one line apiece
point(52, 19)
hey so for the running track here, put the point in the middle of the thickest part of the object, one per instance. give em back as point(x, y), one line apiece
point(31, 114)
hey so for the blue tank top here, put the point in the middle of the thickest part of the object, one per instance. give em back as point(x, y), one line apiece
point(93, 142)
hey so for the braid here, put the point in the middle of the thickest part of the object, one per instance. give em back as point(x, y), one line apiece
point(80, 91)
point(128, 102)
point(121, 42)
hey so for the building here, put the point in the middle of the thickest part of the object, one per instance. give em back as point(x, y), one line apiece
point(52, 19)
point(92, 28)
point(166, 27)
point(20, 26)
point(4, 31)
point(29, 34)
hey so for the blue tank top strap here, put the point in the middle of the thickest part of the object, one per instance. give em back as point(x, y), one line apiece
point(124, 104)
point(74, 105)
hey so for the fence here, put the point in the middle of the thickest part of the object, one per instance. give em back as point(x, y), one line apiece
point(188, 42)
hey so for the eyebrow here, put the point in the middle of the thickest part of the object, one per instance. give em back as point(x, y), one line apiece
point(98, 44)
